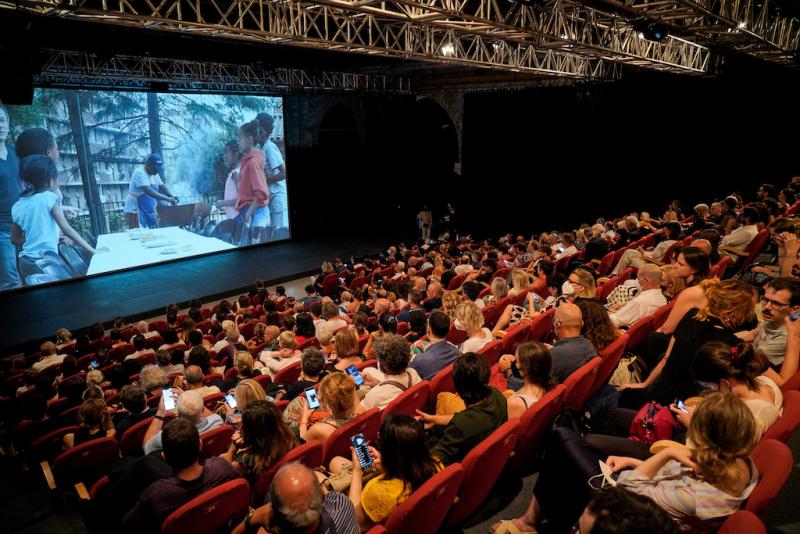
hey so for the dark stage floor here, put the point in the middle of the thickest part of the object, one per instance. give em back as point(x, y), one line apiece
point(37, 313)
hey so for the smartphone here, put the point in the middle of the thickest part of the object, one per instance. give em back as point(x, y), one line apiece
point(95, 365)
point(352, 371)
point(537, 302)
point(681, 406)
point(794, 316)
point(362, 451)
point(169, 399)
point(311, 397)
point(231, 400)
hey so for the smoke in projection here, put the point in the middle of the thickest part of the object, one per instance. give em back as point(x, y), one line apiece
point(105, 140)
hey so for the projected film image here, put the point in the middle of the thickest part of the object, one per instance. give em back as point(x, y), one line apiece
point(98, 181)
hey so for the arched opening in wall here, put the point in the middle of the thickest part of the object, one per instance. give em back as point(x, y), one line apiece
point(333, 165)
point(434, 139)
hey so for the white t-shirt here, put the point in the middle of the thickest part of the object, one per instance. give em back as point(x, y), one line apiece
point(274, 160)
point(474, 344)
point(231, 193)
point(139, 180)
point(32, 214)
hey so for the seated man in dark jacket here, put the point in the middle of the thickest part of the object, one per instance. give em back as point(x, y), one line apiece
point(182, 452)
point(486, 410)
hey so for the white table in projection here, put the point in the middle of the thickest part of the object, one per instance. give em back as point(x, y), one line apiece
point(151, 246)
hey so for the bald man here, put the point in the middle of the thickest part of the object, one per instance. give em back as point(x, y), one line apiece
point(571, 350)
point(649, 299)
point(298, 507)
point(434, 300)
point(702, 244)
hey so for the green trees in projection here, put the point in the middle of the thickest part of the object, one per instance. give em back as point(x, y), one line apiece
point(104, 135)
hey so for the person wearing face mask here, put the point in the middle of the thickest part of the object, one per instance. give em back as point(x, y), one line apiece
point(649, 299)
point(580, 285)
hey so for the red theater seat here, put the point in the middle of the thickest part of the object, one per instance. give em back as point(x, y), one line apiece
point(424, 510)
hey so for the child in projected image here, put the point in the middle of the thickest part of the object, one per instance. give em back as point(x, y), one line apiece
point(253, 195)
point(38, 141)
point(232, 157)
point(38, 215)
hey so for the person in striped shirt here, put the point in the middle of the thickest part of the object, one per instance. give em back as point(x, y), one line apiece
point(698, 486)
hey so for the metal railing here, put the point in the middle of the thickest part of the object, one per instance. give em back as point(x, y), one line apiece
point(114, 212)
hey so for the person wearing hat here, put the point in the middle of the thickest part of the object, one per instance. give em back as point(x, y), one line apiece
point(145, 190)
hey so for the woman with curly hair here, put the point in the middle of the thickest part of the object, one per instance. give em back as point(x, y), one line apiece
point(597, 325)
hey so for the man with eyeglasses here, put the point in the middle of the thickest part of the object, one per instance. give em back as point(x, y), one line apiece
point(781, 299)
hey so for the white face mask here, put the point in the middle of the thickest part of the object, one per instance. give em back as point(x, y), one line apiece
point(567, 288)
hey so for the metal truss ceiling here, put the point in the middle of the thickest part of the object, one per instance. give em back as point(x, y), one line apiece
point(750, 27)
point(79, 69)
point(546, 37)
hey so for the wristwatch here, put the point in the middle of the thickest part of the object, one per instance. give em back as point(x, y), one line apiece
point(248, 526)
point(159, 417)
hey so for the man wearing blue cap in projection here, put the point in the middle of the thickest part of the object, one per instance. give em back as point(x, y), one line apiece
point(145, 190)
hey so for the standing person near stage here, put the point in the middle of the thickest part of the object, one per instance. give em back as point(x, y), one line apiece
point(232, 158)
point(275, 170)
point(10, 189)
point(425, 219)
point(144, 192)
point(38, 215)
point(253, 194)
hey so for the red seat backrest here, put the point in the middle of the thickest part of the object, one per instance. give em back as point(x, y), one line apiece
point(755, 247)
point(661, 314)
point(308, 454)
point(456, 336)
point(785, 426)
point(310, 342)
point(211, 378)
point(742, 522)
point(85, 463)
point(639, 331)
point(402, 328)
point(263, 380)
point(606, 264)
point(50, 445)
point(216, 441)
point(118, 353)
point(542, 327)
point(211, 512)
point(533, 424)
point(424, 510)
point(289, 374)
point(719, 268)
point(159, 326)
point(456, 282)
point(154, 342)
point(338, 443)
point(514, 337)
point(482, 467)
point(490, 315)
point(441, 382)
point(793, 384)
point(580, 382)
point(611, 356)
point(230, 373)
point(501, 273)
point(131, 442)
point(774, 462)
point(492, 351)
point(409, 401)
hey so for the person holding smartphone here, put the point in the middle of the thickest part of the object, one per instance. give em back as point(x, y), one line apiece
point(404, 463)
point(262, 439)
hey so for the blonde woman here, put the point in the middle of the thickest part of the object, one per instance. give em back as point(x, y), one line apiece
point(287, 354)
point(580, 284)
point(337, 395)
point(499, 291)
point(698, 487)
point(450, 300)
point(470, 317)
point(729, 306)
point(520, 281)
point(345, 351)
